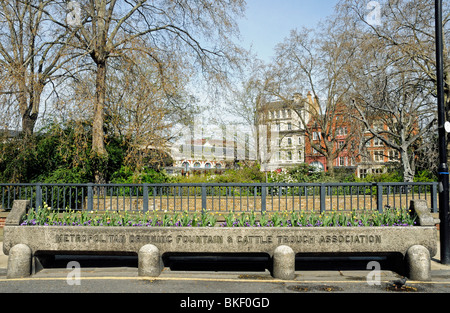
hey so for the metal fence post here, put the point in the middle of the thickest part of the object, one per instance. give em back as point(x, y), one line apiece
point(322, 197)
point(379, 197)
point(434, 200)
point(90, 199)
point(263, 198)
point(203, 199)
point(145, 198)
point(38, 197)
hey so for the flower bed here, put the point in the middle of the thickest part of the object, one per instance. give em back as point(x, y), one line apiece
point(390, 217)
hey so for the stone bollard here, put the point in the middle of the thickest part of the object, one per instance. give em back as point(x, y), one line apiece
point(418, 263)
point(284, 263)
point(19, 261)
point(149, 261)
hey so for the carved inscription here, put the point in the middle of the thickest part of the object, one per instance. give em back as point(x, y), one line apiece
point(208, 239)
point(199, 239)
point(80, 238)
point(368, 239)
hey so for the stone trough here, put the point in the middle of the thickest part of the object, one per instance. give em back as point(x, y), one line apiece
point(26, 245)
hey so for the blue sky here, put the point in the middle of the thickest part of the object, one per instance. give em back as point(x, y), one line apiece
point(268, 22)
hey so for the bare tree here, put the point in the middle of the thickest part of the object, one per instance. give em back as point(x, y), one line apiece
point(318, 61)
point(392, 75)
point(247, 101)
point(32, 54)
point(401, 48)
point(396, 111)
point(143, 109)
point(112, 29)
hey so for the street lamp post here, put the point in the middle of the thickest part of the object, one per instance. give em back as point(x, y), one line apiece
point(443, 168)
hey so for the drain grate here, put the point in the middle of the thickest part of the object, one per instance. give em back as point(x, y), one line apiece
point(298, 288)
point(404, 288)
point(321, 288)
point(255, 277)
point(330, 288)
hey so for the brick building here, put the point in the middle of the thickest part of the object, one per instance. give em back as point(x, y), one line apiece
point(289, 143)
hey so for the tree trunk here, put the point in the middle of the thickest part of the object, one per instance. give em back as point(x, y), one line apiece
point(29, 106)
point(28, 123)
point(330, 166)
point(99, 153)
point(408, 171)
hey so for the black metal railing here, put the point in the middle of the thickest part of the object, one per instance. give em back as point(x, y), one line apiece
point(221, 197)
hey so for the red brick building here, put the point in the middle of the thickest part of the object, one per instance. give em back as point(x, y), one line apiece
point(342, 135)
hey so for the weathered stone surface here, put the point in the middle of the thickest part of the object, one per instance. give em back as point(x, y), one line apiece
point(148, 242)
point(149, 261)
point(284, 263)
point(418, 263)
point(19, 209)
point(424, 217)
point(19, 261)
point(222, 240)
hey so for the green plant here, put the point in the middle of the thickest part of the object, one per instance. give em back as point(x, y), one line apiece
point(46, 216)
point(263, 219)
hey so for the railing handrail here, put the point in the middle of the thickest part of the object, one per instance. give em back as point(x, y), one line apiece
point(84, 195)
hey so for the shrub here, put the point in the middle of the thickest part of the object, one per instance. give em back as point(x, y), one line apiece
point(126, 175)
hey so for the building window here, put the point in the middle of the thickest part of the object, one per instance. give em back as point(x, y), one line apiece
point(289, 141)
point(208, 165)
point(378, 156)
point(378, 126)
point(363, 173)
point(300, 155)
point(377, 171)
point(342, 131)
point(342, 161)
point(300, 140)
point(196, 164)
point(393, 155)
point(289, 126)
point(218, 166)
point(289, 156)
point(316, 135)
point(377, 142)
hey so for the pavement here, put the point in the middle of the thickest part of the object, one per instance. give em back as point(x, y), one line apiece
point(325, 279)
